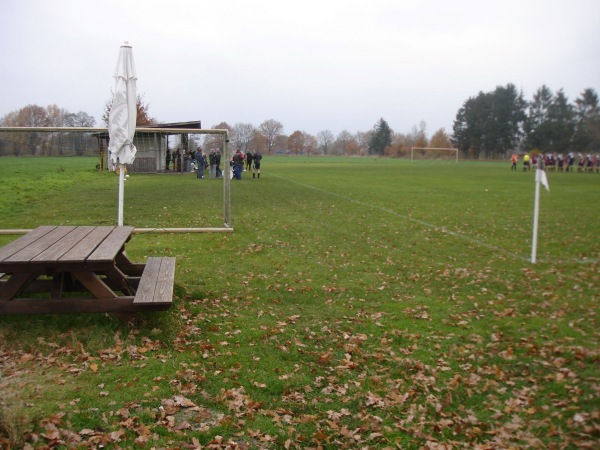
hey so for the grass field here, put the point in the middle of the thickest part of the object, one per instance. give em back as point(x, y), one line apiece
point(359, 303)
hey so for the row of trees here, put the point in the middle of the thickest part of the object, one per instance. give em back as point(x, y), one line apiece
point(381, 140)
point(489, 125)
point(58, 143)
point(49, 116)
point(492, 124)
point(47, 143)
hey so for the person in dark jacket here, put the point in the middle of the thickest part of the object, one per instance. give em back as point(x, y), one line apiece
point(238, 164)
point(256, 158)
point(200, 163)
point(212, 159)
point(248, 162)
point(168, 159)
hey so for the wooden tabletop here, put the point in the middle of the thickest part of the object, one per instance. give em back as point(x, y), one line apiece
point(64, 247)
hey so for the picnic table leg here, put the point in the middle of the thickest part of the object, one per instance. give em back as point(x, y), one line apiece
point(16, 284)
point(94, 284)
point(120, 282)
point(97, 287)
point(128, 267)
point(56, 289)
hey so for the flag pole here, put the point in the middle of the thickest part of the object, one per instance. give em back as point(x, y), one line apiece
point(540, 178)
point(536, 212)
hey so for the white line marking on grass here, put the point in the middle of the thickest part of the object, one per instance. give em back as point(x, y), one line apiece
point(432, 226)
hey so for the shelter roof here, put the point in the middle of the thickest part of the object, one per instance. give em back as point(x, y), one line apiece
point(194, 124)
point(191, 124)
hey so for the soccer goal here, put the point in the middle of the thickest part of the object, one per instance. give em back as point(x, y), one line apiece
point(433, 153)
point(152, 148)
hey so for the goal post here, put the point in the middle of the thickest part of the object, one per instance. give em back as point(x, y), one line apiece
point(85, 141)
point(452, 153)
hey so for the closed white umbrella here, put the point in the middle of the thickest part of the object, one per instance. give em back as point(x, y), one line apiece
point(122, 119)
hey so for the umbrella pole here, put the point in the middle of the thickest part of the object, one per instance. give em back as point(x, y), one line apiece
point(121, 193)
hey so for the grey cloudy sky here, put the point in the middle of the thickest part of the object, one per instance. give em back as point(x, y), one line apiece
point(312, 65)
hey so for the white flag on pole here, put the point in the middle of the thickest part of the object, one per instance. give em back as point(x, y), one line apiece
point(540, 177)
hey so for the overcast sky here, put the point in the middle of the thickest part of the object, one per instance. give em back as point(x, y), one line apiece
point(311, 65)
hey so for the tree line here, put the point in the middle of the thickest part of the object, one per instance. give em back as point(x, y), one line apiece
point(492, 124)
point(487, 126)
point(58, 143)
point(19, 144)
point(381, 140)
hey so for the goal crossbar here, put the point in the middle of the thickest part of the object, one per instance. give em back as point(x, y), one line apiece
point(100, 130)
point(455, 150)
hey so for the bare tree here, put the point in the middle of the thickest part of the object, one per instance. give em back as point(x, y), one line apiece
point(241, 135)
point(33, 116)
point(325, 138)
point(296, 142)
point(56, 116)
point(217, 140)
point(301, 142)
point(362, 142)
point(417, 136)
point(83, 119)
point(342, 141)
point(258, 143)
point(311, 143)
point(270, 129)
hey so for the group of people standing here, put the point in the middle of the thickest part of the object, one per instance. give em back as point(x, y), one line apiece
point(200, 161)
point(212, 162)
point(559, 162)
point(241, 162)
point(174, 157)
point(180, 160)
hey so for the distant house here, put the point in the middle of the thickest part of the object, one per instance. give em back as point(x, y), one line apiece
point(151, 147)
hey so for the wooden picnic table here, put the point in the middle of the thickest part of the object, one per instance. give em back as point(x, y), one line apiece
point(63, 269)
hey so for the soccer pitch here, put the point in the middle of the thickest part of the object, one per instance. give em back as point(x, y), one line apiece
point(359, 302)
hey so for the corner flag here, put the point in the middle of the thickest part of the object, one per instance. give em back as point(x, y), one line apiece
point(540, 178)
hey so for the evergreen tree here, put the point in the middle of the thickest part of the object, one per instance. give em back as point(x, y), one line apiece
point(587, 122)
point(381, 138)
point(537, 125)
point(508, 116)
point(562, 123)
point(489, 125)
point(468, 124)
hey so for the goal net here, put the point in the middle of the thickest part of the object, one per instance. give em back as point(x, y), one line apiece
point(156, 147)
point(433, 154)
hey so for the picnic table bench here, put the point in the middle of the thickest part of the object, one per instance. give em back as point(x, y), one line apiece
point(63, 269)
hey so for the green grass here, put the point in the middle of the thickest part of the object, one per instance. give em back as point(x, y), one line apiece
point(360, 302)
